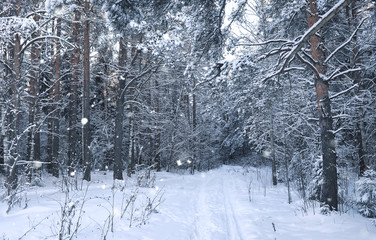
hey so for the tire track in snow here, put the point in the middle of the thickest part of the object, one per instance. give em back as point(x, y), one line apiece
point(200, 231)
point(234, 232)
point(216, 217)
point(237, 183)
point(205, 224)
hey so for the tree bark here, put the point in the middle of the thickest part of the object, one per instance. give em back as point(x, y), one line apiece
point(56, 120)
point(359, 138)
point(33, 143)
point(272, 142)
point(157, 159)
point(50, 120)
point(11, 155)
point(86, 157)
point(131, 160)
point(73, 103)
point(194, 126)
point(150, 129)
point(3, 75)
point(329, 188)
point(119, 118)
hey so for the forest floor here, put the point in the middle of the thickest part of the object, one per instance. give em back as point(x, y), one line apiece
point(227, 203)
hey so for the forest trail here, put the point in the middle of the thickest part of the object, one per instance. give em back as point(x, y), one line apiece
point(231, 203)
point(216, 214)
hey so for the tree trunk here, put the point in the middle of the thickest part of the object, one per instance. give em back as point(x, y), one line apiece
point(86, 157)
point(194, 109)
point(73, 103)
point(119, 118)
point(36, 133)
point(150, 129)
point(50, 115)
point(329, 188)
point(56, 120)
point(359, 138)
point(272, 143)
point(158, 136)
point(130, 165)
point(361, 146)
point(194, 126)
point(33, 143)
point(186, 97)
point(5, 131)
point(287, 156)
point(131, 160)
point(188, 115)
point(11, 158)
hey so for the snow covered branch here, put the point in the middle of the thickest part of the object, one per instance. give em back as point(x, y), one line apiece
point(305, 37)
point(308, 63)
point(266, 42)
point(346, 42)
point(4, 11)
point(344, 91)
point(335, 74)
point(42, 38)
point(140, 76)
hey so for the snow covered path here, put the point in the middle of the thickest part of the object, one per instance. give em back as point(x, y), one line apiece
point(216, 205)
point(229, 203)
point(215, 214)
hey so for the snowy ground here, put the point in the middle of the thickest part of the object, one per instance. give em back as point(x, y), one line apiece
point(213, 205)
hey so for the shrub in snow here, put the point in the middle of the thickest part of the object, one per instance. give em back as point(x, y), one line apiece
point(314, 187)
point(366, 192)
point(325, 209)
point(145, 176)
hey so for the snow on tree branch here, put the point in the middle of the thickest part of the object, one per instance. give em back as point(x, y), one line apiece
point(344, 91)
point(335, 74)
point(45, 37)
point(311, 31)
point(347, 41)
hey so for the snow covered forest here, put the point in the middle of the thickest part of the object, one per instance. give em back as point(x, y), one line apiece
point(188, 119)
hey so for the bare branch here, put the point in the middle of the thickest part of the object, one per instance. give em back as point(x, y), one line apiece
point(346, 42)
point(332, 75)
point(294, 69)
point(140, 76)
point(273, 52)
point(220, 68)
point(5, 10)
point(42, 38)
point(238, 11)
point(266, 42)
point(344, 91)
point(341, 73)
point(35, 13)
point(308, 63)
point(311, 60)
point(7, 66)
